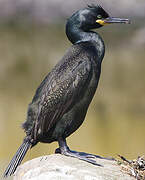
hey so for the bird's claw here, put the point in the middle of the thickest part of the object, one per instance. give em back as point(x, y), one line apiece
point(80, 155)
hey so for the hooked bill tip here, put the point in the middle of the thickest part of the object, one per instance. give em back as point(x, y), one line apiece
point(125, 21)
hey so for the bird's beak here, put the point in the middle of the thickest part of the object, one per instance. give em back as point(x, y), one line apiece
point(112, 20)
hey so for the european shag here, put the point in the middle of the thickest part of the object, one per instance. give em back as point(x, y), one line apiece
point(61, 101)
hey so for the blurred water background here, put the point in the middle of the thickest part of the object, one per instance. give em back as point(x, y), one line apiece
point(33, 40)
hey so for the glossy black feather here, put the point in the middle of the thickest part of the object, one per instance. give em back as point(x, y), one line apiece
point(62, 89)
point(17, 159)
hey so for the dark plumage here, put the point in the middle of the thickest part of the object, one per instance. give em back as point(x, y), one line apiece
point(62, 99)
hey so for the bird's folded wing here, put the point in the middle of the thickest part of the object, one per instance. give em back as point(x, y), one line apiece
point(62, 96)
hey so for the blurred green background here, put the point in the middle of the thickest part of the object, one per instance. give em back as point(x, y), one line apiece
point(115, 122)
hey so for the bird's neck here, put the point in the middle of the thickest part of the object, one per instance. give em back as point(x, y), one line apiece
point(78, 35)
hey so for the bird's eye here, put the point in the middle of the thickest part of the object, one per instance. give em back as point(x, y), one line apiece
point(99, 16)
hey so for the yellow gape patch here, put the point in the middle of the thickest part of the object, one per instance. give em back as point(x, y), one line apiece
point(101, 21)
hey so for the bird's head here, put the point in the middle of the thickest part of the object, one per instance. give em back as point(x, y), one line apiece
point(84, 20)
point(93, 17)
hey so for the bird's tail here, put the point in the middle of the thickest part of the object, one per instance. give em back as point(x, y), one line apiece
point(18, 157)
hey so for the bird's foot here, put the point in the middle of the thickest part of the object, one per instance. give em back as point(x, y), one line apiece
point(80, 155)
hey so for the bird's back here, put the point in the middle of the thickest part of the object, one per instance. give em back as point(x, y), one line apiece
point(62, 87)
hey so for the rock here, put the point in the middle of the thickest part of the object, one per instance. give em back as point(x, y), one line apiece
point(59, 167)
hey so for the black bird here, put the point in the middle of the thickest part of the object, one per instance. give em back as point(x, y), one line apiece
point(61, 101)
